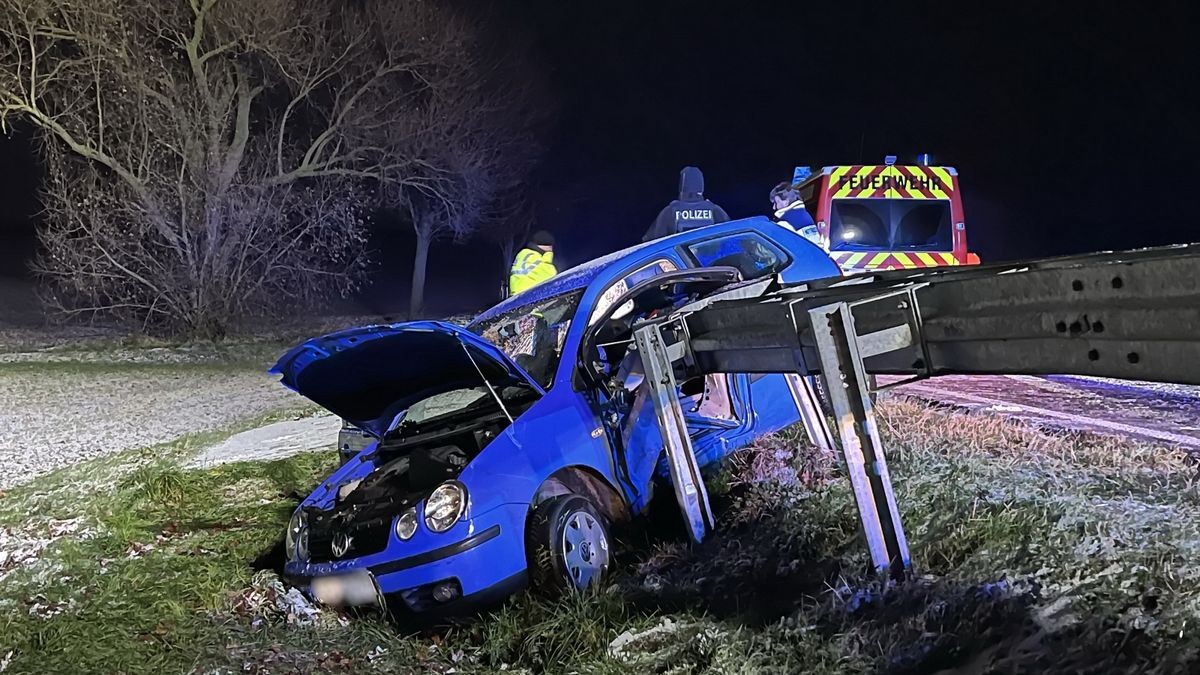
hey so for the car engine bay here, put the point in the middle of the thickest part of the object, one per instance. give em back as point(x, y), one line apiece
point(411, 460)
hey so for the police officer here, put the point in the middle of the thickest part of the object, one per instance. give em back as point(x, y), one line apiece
point(690, 211)
point(790, 212)
point(533, 264)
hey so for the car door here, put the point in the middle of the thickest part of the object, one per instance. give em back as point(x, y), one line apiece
point(723, 415)
point(633, 470)
point(713, 406)
point(765, 402)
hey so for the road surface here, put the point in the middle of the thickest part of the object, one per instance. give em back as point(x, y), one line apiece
point(1159, 413)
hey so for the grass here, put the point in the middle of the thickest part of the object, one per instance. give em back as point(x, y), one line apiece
point(168, 548)
point(1036, 553)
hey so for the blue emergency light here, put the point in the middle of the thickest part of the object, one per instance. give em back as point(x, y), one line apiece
point(800, 174)
point(925, 159)
point(889, 160)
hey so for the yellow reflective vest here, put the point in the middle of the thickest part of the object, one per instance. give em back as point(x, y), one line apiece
point(530, 267)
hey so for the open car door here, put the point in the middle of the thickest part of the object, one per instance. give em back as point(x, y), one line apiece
point(714, 407)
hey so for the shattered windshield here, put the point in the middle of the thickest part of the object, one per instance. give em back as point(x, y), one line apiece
point(532, 335)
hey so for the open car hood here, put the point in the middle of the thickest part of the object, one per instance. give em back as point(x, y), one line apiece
point(371, 374)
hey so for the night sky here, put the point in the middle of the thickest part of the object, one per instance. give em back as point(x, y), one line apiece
point(1072, 129)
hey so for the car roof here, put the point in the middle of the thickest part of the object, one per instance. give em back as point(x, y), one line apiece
point(582, 276)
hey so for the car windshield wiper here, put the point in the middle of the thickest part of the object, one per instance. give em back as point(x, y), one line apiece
point(853, 246)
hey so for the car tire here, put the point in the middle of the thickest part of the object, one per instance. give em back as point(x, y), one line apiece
point(568, 545)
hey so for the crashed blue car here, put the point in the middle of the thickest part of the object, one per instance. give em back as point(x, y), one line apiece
point(501, 453)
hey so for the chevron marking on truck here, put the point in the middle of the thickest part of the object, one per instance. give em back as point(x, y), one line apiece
point(893, 259)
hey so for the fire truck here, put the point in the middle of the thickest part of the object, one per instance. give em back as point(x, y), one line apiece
point(883, 217)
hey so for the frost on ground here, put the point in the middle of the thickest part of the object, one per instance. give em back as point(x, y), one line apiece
point(273, 441)
point(54, 416)
point(1167, 414)
point(1155, 388)
point(107, 354)
point(23, 547)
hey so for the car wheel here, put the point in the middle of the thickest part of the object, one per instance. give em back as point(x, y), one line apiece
point(568, 545)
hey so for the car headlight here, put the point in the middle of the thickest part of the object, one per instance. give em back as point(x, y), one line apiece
point(406, 525)
point(296, 540)
point(445, 506)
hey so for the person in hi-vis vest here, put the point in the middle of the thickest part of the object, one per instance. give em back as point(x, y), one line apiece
point(533, 264)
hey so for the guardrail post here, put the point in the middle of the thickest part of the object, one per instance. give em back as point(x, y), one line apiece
point(664, 394)
point(850, 395)
point(811, 415)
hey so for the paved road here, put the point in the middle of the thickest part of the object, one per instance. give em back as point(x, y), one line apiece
point(1166, 414)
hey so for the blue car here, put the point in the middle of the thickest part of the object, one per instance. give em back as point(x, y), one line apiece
point(501, 453)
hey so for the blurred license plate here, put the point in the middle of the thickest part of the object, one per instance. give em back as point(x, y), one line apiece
point(347, 590)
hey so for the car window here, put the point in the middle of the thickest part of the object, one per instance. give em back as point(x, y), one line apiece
point(606, 343)
point(532, 335)
point(752, 254)
point(622, 286)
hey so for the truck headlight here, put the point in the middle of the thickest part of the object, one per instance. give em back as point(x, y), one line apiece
point(445, 506)
point(406, 525)
point(296, 541)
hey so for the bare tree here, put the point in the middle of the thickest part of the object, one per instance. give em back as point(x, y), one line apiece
point(205, 155)
point(474, 148)
point(515, 217)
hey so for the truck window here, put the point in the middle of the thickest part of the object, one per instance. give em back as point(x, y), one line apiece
point(859, 223)
point(884, 224)
point(924, 225)
point(752, 254)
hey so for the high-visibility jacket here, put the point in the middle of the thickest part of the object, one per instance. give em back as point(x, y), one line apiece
point(531, 267)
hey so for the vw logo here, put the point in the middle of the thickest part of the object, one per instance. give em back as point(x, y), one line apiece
point(341, 544)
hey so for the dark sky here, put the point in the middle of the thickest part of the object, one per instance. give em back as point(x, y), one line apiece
point(1072, 125)
point(1070, 129)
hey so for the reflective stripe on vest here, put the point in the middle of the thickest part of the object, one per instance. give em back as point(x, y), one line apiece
point(530, 268)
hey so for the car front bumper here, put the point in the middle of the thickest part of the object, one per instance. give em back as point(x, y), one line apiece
point(486, 564)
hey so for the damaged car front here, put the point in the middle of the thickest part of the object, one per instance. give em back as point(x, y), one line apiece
point(419, 514)
point(503, 451)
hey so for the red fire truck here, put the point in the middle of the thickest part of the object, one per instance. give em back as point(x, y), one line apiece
point(879, 217)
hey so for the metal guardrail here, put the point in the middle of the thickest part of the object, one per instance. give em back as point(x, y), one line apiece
point(1129, 315)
